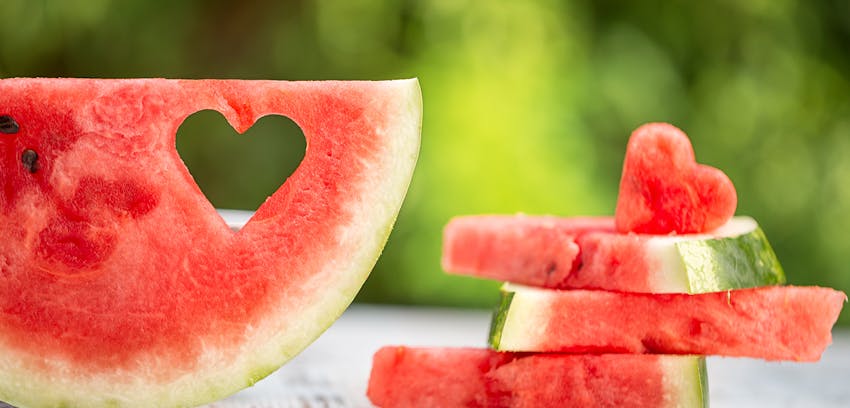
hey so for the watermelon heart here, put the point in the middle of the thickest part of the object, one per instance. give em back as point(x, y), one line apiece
point(267, 154)
point(664, 190)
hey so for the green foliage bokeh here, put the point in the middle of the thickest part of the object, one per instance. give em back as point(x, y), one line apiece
point(528, 105)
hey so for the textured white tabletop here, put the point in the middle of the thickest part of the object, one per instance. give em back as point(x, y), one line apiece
point(334, 371)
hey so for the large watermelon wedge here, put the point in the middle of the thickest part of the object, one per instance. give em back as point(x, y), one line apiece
point(408, 377)
point(562, 253)
point(119, 283)
point(773, 323)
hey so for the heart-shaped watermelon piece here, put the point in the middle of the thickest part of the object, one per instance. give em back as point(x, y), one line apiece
point(664, 190)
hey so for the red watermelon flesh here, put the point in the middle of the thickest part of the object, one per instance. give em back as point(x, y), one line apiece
point(664, 190)
point(534, 250)
point(468, 377)
point(772, 323)
point(557, 252)
point(120, 283)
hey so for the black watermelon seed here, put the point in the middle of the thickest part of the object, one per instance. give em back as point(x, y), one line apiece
point(8, 125)
point(30, 160)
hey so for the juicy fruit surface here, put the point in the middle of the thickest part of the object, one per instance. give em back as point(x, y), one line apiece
point(534, 250)
point(664, 190)
point(469, 377)
point(117, 269)
point(556, 252)
point(772, 323)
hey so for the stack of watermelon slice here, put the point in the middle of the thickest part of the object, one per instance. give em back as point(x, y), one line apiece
point(617, 311)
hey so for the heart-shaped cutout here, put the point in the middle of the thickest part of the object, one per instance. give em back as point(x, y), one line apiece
point(664, 190)
point(239, 171)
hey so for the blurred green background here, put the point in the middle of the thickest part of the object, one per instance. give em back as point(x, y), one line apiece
point(528, 105)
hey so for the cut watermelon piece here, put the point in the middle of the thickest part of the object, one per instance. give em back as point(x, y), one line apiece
point(663, 190)
point(121, 286)
point(554, 252)
point(772, 323)
point(468, 377)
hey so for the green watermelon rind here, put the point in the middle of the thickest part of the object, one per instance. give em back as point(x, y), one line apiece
point(703, 382)
point(735, 256)
point(332, 292)
point(497, 323)
point(749, 261)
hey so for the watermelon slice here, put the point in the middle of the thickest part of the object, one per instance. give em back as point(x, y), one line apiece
point(772, 323)
point(122, 286)
point(468, 377)
point(554, 252)
point(663, 189)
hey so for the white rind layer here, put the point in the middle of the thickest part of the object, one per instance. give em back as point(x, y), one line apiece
point(529, 308)
point(685, 381)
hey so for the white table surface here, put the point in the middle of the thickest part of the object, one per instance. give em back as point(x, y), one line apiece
point(334, 371)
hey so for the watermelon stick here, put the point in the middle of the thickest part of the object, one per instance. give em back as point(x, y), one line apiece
point(772, 323)
point(583, 252)
point(470, 377)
